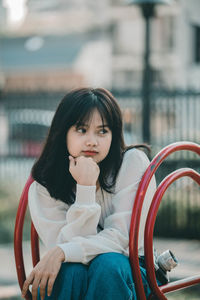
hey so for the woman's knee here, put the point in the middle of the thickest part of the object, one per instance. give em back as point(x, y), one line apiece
point(109, 275)
point(72, 270)
point(111, 263)
point(71, 279)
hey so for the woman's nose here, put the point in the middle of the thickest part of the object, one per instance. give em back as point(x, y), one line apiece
point(91, 141)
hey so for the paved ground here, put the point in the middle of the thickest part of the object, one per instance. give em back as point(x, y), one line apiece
point(187, 253)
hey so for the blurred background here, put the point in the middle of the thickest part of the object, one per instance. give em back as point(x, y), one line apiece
point(147, 53)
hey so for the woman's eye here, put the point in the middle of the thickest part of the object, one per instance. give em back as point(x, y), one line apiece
point(103, 131)
point(81, 130)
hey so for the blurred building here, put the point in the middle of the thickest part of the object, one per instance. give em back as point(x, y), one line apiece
point(70, 43)
point(175, 45)
point(175, 64)
point(59, 45)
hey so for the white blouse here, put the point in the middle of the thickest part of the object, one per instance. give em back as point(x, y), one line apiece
point(75, 228)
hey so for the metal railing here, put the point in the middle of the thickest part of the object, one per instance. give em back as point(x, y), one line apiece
point(174, 116)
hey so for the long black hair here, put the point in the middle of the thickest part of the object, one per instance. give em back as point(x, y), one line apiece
point(52, 168)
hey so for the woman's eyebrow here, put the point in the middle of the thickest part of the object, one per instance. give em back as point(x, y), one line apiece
point(102, 126)
point(87, 125)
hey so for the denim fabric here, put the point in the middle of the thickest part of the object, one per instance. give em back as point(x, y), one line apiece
point(107, 277)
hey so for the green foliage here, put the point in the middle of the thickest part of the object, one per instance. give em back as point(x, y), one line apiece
point(176, 220)
point(191, 293)
point(8, 209)
point(178, 215)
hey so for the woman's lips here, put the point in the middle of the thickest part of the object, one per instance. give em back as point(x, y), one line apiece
point(90, 153)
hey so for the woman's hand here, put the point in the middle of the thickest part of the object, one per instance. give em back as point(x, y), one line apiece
point(84, 170)
point(44, 273)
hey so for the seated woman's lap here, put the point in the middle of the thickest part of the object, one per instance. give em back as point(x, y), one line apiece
point(108, 275)
point(70, 283)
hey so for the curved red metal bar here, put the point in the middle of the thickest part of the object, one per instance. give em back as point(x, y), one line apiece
point(138, 203)
point(149, 229)
point(172, 286)
point(18, 234)
point(35, 250)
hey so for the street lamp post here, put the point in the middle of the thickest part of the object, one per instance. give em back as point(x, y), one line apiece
point(147, 7)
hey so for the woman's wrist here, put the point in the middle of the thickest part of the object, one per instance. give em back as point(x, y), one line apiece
point(61, 254)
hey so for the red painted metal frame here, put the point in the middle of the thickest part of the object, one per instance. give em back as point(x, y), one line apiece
point(134, 229)
point(148, 239)
point(137, 208)
point(18, 236)
point(35, 251)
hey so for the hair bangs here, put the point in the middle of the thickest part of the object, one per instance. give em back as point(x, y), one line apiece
point(85, 113)
point(106, 114)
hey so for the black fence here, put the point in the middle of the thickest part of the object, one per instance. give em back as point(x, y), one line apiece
point(175, 116)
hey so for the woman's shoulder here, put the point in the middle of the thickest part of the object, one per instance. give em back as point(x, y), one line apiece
point(39, 194)
point(39, 188)
point(134, 164)
point(135, 156)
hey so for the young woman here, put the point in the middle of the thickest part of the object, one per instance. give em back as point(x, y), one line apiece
point(81, 202)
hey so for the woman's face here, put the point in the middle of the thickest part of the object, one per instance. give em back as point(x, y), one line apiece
point(92, 139)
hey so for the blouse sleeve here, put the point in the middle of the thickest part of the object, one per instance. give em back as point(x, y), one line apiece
point(115, 235)
point(56, 222)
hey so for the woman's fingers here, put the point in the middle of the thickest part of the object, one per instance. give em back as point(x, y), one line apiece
point(44, 272)
point(35, 286)
point(51, 283)
point(84, 170)
point(38, 282)
point(72, 161)
point(27, 282)
point(43, 284)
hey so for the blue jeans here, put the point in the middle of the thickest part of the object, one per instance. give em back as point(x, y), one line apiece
point(107, 277)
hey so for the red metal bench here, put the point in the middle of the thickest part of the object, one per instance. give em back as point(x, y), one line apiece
point(150, 222)
point(133, 245)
